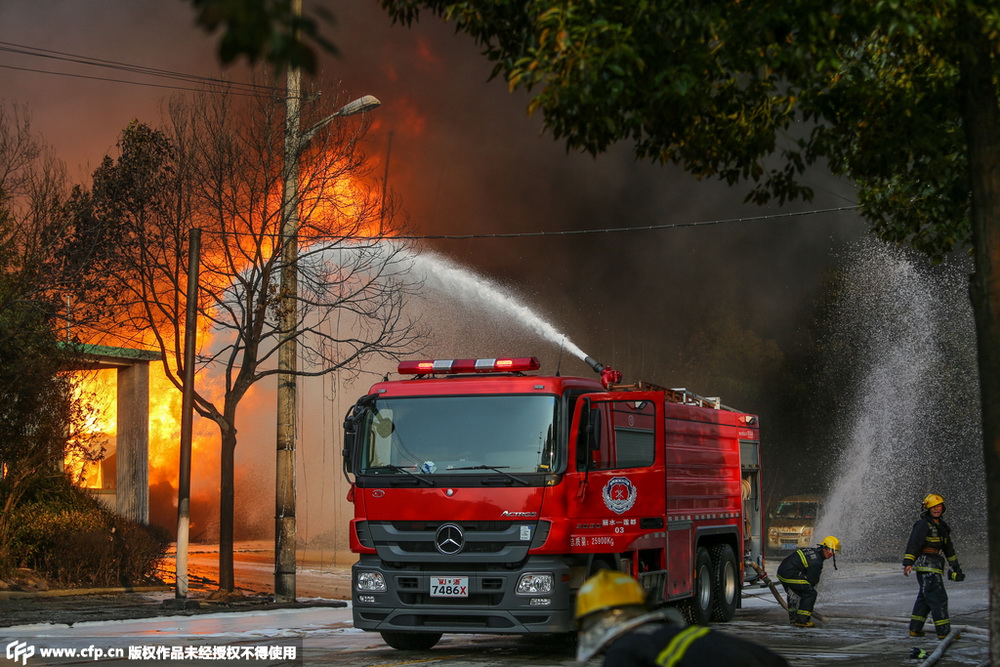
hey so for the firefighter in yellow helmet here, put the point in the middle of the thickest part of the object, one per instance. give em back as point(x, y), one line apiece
point(799, 573)
point(926, 550)
point(613, 617)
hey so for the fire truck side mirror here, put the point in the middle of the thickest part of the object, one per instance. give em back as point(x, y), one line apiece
point(350, 436)
point(588, 435)
point(354, 417)
point(593, 430)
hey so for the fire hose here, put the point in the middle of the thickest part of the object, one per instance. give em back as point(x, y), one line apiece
point(774, 590)
point(939, 651)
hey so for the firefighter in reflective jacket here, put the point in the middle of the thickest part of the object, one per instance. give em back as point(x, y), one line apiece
point(799, 573)
point(613, 617)
point(928, 547)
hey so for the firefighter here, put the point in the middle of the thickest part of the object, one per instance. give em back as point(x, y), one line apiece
point(926, 550)
point(612, 616)
point(799, 573)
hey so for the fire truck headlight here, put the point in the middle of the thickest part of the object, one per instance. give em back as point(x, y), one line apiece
point(372, 582)
point(535, 583)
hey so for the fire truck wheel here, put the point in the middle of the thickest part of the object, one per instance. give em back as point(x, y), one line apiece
point(410, 641)
point(600, 564)
point(698, 609)
point(725, 577)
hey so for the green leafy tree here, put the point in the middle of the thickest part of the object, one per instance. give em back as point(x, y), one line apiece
point(40, 412)
point(272, 31)
point(898, 96)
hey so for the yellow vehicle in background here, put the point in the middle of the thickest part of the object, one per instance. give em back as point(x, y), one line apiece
point(790, 526)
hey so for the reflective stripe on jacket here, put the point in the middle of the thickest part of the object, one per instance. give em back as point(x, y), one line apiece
point(803, 567)
point(929, 537)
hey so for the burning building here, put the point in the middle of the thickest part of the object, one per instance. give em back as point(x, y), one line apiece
point(121, 477)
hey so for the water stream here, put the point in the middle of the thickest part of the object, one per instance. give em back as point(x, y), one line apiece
point(445, 277)
point(909, 422)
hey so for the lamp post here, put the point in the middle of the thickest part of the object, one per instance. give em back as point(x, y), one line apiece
point(296, 141)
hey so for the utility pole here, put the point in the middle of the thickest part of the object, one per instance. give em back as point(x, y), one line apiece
point(288, 313)
point(187, 417)
point(284, 526)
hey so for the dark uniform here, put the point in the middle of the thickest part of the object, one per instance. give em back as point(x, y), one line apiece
point(799, 573)
point(669, 644)
point(929, 544)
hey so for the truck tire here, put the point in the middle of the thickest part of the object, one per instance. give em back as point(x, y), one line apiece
point(410, 641)
point(599, 564)
point(698, 609)
point(725, 575)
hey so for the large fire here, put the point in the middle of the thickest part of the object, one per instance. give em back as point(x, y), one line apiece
point(99, 389)
point(345, 210)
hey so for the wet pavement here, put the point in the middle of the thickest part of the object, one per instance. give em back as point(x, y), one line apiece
point(866, 606)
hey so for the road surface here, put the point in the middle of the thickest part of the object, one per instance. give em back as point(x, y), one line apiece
point(866, 605)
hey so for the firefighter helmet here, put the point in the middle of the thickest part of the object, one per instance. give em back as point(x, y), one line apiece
point(933, 500)
point(608, 589)
point(609, 604)
point(831, 543)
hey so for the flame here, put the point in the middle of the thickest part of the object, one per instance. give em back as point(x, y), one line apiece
point(332, 208)
point(87, 467)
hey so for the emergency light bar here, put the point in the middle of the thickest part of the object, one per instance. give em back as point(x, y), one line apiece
point(468, 365)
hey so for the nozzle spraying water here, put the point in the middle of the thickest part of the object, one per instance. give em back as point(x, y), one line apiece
point(609, 376)
point(594, 363)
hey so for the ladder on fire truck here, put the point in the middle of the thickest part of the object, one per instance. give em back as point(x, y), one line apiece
point(677, 395)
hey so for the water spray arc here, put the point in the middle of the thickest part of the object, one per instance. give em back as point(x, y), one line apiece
point(911, 426)
point(439, 271)
point(447, 278)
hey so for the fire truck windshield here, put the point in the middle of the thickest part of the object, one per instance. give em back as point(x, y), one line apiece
point(460, 435)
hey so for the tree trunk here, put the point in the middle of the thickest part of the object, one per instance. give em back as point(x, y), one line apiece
point(981, 116)
point(226, 502)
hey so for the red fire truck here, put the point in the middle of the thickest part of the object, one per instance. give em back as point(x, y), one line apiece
point(485, 494)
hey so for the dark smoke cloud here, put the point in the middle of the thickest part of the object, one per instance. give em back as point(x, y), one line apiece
point(478, 163)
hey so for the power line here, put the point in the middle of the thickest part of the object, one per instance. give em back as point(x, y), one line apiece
point(30, 51)
point(572, 232)
point(101, 78)
point(613, 230)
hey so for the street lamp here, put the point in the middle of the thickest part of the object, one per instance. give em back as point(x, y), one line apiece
point(296, 141)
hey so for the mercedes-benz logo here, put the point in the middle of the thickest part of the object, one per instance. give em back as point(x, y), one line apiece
point(449, 539)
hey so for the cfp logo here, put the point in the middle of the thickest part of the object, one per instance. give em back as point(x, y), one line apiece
point(20, 651)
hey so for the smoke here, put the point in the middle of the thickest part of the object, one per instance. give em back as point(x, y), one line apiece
point(465, 158)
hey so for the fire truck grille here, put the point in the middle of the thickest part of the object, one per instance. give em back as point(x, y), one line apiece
point(474, 600)
point(468, 541)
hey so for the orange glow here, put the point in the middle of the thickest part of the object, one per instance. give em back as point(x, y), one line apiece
point(98, 390)
point(332, 208)
point(410, 120)
point(335, 208)
point(100, 393)
point(426, 55)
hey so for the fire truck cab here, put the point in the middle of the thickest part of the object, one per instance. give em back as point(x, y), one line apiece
point(485, 494)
